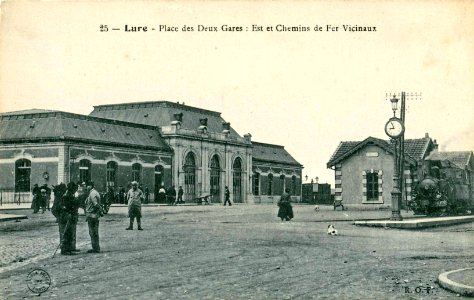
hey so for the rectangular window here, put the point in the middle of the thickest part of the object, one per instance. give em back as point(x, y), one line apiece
point(372, 186)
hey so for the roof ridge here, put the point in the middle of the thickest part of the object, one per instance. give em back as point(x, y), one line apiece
point(144, 104)
point(268, 144)
point(70, 115)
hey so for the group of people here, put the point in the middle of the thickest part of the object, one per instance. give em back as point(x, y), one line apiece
point(169, 195)
point(69, 198)
point(41, 198)
point(67, 201)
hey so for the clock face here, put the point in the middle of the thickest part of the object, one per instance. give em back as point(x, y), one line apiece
point(394, 128)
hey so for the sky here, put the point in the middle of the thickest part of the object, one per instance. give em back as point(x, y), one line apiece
point(306, 90)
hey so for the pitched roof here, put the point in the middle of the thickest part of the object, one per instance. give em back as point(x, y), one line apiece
point(415, 149)
point(272, 153)
point(26, 112)
point(161, 113)
point(56, 125)
point(460, 158)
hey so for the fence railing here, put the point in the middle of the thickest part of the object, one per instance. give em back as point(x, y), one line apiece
point(8, 196)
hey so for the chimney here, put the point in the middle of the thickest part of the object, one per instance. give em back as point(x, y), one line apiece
point(203, 122)
point(427, 135)
point(226, 128)
point(178, 117)
point(248, 137)
point(435, 145)
point(226, 125)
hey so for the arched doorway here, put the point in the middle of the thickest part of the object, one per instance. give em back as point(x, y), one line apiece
point(237, 180)
point(22, 175)
point(215, 179)
point(189, 177)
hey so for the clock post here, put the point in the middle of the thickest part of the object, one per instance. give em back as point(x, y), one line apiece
point(395, 129)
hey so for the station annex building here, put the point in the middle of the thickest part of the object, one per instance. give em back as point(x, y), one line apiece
point(364, 170)
point(157, 143)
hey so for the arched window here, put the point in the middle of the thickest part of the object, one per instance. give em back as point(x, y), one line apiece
point(136, 172)
point(256, 184)
point(282, 183)
point(189, 177)
point(237, 179)
point(84, 170)
point(270, 185)
point(111, 174)
point(215, 178)
point(22, 175)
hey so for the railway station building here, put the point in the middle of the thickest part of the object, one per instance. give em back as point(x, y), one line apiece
point(158, 143)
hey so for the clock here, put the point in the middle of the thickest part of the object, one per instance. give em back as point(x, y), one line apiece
point(394, 128)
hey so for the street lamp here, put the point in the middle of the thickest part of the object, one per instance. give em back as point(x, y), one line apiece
point(394, 102)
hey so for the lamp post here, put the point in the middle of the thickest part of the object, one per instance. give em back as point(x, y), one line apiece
point(395, 129)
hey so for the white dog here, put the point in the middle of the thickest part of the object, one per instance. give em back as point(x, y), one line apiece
point(332, 230)
point(316, 208)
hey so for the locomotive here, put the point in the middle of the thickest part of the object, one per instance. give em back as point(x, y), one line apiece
point(441, 193)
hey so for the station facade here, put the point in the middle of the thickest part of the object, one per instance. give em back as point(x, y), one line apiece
point(156, 143)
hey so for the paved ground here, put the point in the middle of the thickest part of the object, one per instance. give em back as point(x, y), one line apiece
point(238, 252)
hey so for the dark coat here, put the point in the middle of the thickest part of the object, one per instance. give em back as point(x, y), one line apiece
point(285, 211)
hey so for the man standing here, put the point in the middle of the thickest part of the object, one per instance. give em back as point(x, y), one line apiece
point(48, 196)
point(36, 196)
point(93, 213)
point(135, 197)
point(180, 194)
point(227, 196)
point(65, 208)
point(172, 195)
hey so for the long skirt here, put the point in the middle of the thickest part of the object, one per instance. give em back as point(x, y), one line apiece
point(285, 211)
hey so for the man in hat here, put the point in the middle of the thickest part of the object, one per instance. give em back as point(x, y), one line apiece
point(134, 198)
point(47, 199)
point(81, 195)
point(93, 213)
point(42, 199)
point(65, 209)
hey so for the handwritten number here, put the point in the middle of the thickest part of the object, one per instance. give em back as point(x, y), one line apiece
point(104, 28)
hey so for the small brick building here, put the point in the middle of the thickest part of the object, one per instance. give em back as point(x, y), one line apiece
point(364, 170)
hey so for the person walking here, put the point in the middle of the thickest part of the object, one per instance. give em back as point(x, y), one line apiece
point(227, 196)
point(180, 194)
point(93, 213)
point(285, 211)
point(135, 198)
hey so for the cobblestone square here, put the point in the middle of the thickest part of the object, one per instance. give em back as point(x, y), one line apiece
point(237, 252)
